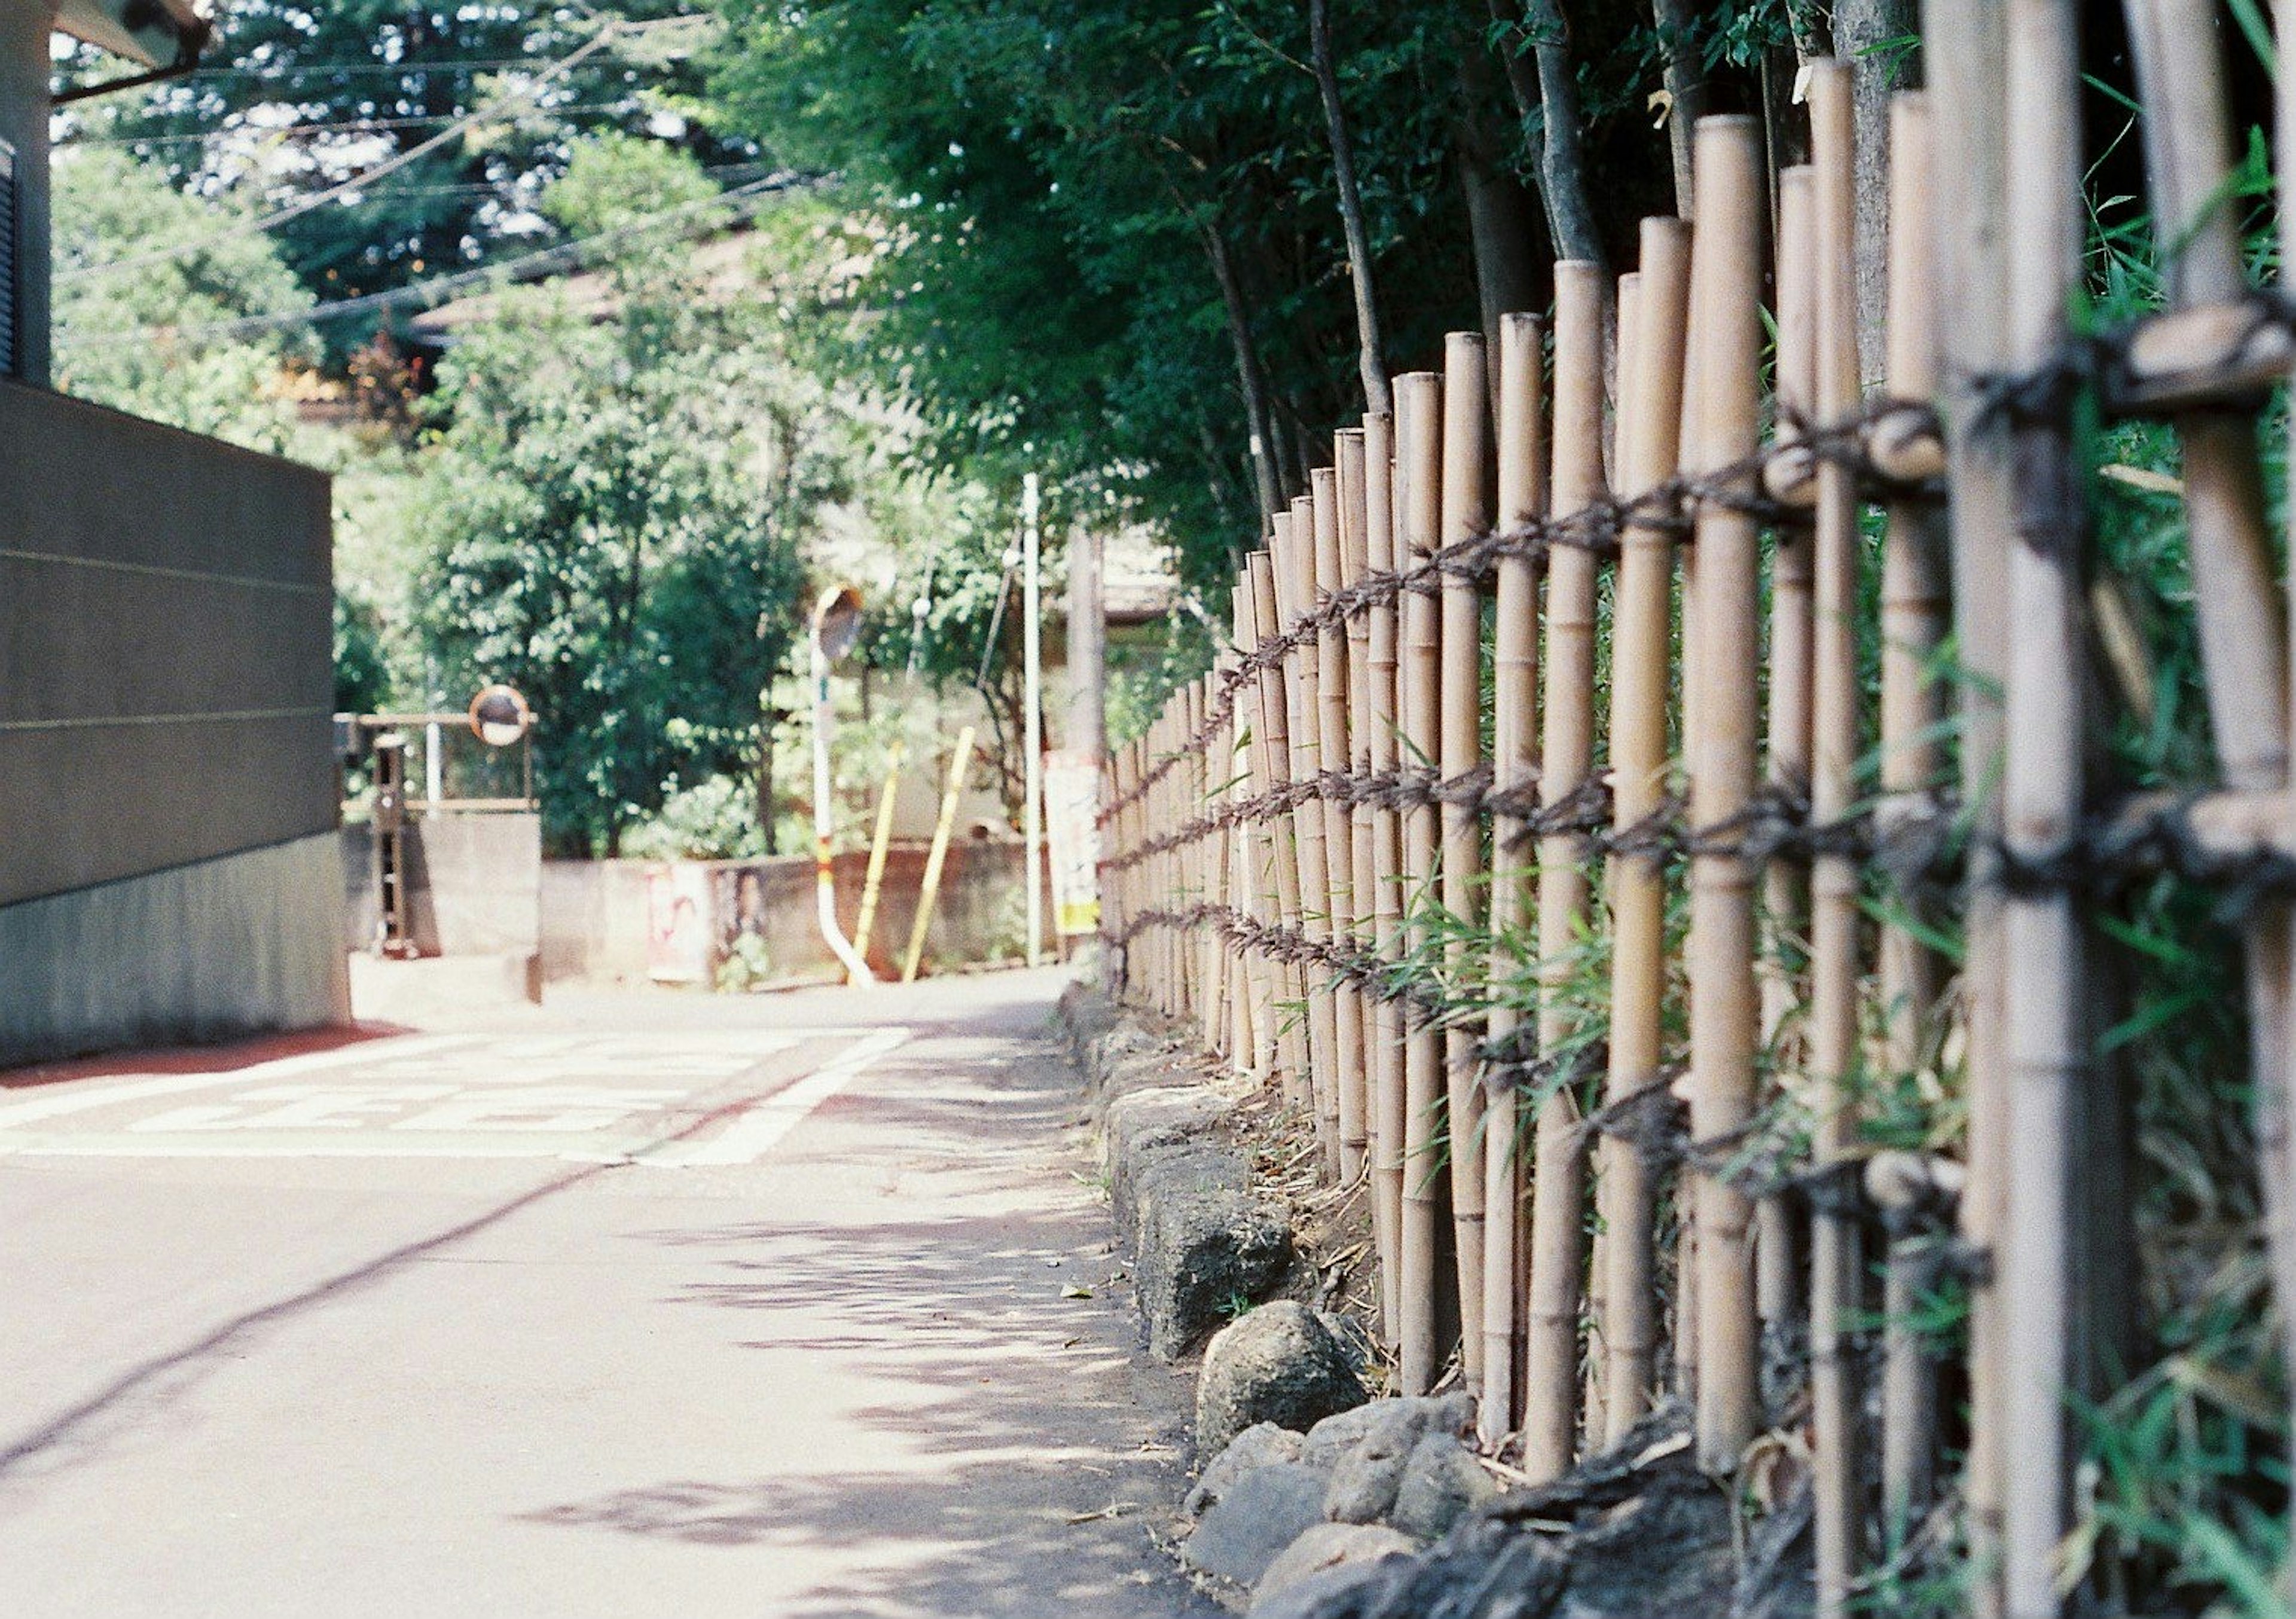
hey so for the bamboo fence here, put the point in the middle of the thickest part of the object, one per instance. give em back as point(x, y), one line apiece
point(1594, 1019)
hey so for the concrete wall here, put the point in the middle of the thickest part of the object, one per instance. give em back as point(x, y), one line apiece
point(24, 27)
point(596, 915)
point(250, 942)
point(475, 882)
point(166, 648)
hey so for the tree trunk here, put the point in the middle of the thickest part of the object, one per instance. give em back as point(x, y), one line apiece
point(1867, 35)
point(1370, 353)
point(1685, 89)
point(1250, 379)
point(1501, 223)
point(1562, 160)
point(767, 719)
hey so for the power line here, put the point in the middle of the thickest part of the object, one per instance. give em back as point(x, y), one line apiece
point(320, 126)
point(433, 291)
point(613, 29)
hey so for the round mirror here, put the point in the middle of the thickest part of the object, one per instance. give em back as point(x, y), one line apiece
point(499, 715)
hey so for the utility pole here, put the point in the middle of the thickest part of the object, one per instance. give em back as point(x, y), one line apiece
point(1032, 719)
point(1087, 730)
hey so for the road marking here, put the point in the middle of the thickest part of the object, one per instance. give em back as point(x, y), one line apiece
point(760, 1127)
point(86, 1096)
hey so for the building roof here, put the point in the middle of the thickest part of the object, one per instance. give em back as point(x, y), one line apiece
point(157, 33)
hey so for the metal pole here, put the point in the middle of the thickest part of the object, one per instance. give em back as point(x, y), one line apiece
point(1032, 724)
point(1087, 730)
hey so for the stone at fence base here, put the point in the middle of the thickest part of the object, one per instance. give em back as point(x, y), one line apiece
point(1278, 1363)
point(1259, 1514)
point(1263, 1444)
point(1202, 1248)
point(1369, 1447)
point(1324, 1547)
point(1440, 1482)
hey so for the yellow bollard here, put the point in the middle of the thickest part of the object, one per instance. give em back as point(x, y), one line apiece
point(931, 889)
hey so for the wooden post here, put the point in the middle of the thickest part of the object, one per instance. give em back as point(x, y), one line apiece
point(1418, 461)
point(2042, 791)
point(1837, 1268)
point(1388, 1117)
point(1641, 626)
point(1514, 764)
point(1724, 1006)
point(1558, 1209)
point(1465, 513)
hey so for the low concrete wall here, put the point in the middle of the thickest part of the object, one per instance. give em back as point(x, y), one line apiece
point(598, 916)
point(474, 881)
point(246, 943)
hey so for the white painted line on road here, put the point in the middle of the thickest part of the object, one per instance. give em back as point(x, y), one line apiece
point(88, 1095)
point(759, 1129)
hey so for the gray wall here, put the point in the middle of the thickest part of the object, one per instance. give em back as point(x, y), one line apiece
point(24, 27)
point(166, 648)
point(247, 943)
point(475, 881)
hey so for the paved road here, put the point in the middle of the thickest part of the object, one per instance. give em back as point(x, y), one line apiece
point(640, 1306)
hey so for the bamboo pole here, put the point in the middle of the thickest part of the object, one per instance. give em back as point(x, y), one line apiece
point(881, 841)
point(1724, 1012)
point(1255, 860)
point(1293, 556)
point(1915, 604)
point(1388, 1117)
point(1836, 1267)
point(1465, 513)
point(1964, 46)
point(1593, 1417)
point(1639, 691)
point(2042, 792)
point(1558, 1212)
point(1514, 761)
point(1323, 574)
point(2243, 640)
point(1785, 883)
point(1354, 755)
point(1418, 422)
point(958, 759)
point(1273, 754)
point(2275, 1076)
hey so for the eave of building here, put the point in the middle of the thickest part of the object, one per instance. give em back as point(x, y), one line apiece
point(155, 33)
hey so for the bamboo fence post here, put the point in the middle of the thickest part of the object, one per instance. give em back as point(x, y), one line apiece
point(1242, 890)
point(1355, 758)
point(1294, 558)
point(1388, 1119)
point(2275, 1077)
point(1725, 1010)
point(1339, 842)
point(1465, 513)
point(1639, 691)
point(1681, 1334)
point(1251, 856)
point(1558, 1188)
point(2042, 792)
point(2243, 640)
point(1914, 603)
point(1965, 44)
point(1836, 1265)
point(1514, 768)
point(1785, 883)
point(1273, 751)
point(1595, 1419)
point(1418, 421)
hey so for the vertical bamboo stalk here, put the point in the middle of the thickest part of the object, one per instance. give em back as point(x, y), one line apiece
point(1965, 45)
point(1388, 1111)
point(1639, 691)
point(1272, 747)
point(1339, 846)
point(1558, 1209)
point(1515, 766)
point(1354, 559)
point(2244, 641)
point(1724, 1005)
point(1465, 513)
point(1253, 873)
point(1595, 1417)
point(2276, 1079)
point(1419, 426)
point(1836, 1266)
point(2042, 791)
point(1915, 601)
point(1785, 883)
point(1293, 556)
